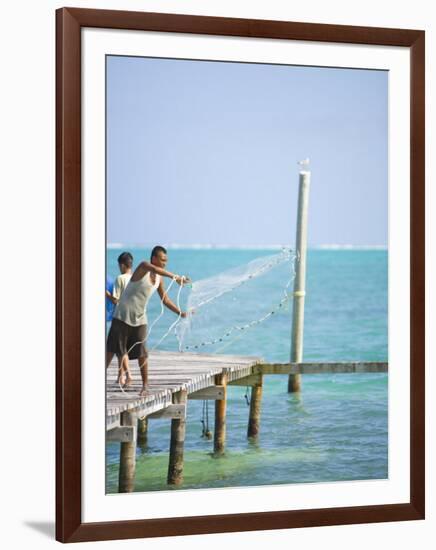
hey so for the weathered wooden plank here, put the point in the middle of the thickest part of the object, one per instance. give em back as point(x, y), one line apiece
point(115, 400)
point(169, 373)
point(172, 369)
point(322, 368)
point(193, 364)
point(147, 410)
point(122, 434)
point(112, 377)
point(357, 367)
point(142, 410)
point(162, 381)
point(194, 372)
point(154, 389)
point(212, 392)
point(202, 356)
point(195, 359)
point(172, 411)
point(112, 420)
point(167, 378)
point(201, 368)
point(171, 381)
point(186, 370)
point(251, 380)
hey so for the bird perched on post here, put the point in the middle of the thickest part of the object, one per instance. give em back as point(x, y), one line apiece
point(304, 163)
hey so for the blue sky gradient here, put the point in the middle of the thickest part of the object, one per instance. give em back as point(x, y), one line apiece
point(206, 152)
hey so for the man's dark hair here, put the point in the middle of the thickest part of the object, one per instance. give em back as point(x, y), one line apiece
point(126, 259)
point(156, 250)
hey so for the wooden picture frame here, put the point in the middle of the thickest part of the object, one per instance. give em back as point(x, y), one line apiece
point(69, 525)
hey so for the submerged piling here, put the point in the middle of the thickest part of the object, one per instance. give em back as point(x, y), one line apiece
point(142, 431)
point(294, 380)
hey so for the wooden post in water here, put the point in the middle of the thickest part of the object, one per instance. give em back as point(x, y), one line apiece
point(177, 443)
point(126, 478)
point(254, 418)
point(294, 381)
point(142, 431)
point(219, 441)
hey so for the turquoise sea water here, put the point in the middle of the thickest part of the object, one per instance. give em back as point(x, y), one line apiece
point(336, 430)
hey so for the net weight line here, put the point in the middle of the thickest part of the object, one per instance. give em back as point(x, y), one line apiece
point(247, 326)
point(285, 255)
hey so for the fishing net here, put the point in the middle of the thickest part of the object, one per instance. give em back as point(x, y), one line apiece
point(230, 304)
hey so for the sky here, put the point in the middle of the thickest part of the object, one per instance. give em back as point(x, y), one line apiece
point(205, 153)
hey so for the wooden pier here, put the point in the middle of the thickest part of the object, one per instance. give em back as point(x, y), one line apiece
point(174, 379)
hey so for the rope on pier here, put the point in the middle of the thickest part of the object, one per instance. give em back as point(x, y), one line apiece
point(247, 399)
point(205, 421)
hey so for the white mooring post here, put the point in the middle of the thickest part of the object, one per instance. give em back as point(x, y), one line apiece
point(294, 381)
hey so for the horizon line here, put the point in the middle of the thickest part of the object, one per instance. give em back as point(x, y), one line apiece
point(200, 246)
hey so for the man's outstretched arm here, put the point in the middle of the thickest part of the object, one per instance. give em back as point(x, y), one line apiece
point(168, 302)
point(145, 266)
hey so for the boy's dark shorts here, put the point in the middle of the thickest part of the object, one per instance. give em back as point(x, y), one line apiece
point(122, 337)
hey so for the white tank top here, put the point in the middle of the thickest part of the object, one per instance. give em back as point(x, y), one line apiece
point(132, 305)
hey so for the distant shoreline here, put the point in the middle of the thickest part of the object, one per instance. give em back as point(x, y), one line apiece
point(177, 246)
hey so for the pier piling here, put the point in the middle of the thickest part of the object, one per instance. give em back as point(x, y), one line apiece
point(177, 443)
point(177, 377)
point(126, 478)
point(254, 416)
point(220, 416)
point(142, 431)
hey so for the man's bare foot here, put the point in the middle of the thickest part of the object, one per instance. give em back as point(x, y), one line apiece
point(121, 377)
point(128, 380)
point(143, 391)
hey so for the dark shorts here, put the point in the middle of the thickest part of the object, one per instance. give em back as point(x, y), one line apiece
point(123, 337)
